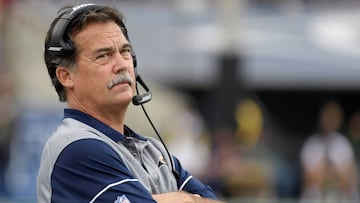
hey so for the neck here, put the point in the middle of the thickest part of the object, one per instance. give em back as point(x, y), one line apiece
point(113, 117)
point(115, 121)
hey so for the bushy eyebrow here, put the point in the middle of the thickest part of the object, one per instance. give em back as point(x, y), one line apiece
point(126, 46)
point(111, 48)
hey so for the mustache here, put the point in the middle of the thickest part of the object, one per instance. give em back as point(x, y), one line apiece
point(122, 77)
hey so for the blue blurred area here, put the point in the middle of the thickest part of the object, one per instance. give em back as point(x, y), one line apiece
point(33, 127)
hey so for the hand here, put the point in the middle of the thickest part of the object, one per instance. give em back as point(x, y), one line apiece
point(181, 197)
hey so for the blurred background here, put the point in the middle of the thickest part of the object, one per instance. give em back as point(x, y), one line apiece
point(260, 99)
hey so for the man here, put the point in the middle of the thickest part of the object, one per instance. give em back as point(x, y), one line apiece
point(328, 162)
point(93, 156)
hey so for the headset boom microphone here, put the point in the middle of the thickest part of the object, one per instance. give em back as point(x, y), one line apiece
point(141, 98)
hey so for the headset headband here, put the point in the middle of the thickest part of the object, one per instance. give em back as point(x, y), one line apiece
point(58, 45)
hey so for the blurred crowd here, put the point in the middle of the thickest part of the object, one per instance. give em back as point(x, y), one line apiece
point(245, 161)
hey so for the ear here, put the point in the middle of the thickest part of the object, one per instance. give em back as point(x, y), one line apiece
point(64, 76)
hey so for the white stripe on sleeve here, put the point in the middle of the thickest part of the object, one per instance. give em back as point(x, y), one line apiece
point(111, 185)
point(184, 183)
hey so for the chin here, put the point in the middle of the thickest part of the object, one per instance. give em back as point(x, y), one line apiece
point(125, 99)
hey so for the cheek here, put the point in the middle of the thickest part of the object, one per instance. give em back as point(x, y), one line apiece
point(133, 76)
point(87, 85)
point(91, 81)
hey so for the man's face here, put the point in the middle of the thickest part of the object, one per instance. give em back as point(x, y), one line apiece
point(103, 53)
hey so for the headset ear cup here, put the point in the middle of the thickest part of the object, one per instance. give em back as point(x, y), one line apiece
point(68, 45)
point(134, 60)
point(135, 65)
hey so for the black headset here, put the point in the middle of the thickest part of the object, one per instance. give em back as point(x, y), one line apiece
point(60, 44)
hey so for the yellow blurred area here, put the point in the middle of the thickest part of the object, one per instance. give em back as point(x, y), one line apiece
point(249, 118)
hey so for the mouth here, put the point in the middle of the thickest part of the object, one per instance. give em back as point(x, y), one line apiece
point(120, 79)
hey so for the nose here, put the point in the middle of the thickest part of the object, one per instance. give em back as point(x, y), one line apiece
point(121, 63)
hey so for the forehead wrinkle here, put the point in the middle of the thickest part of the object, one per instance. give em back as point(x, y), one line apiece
point(102, 38)
point(98, 33)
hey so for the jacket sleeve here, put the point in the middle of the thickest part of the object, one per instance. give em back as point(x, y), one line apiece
point(190, 184)
point(89, 170)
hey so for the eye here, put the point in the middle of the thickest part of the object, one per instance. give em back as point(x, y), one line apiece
point(126, 52)
point(103, 58)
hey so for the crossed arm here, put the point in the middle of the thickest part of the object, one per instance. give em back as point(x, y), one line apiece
point(79, 158)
